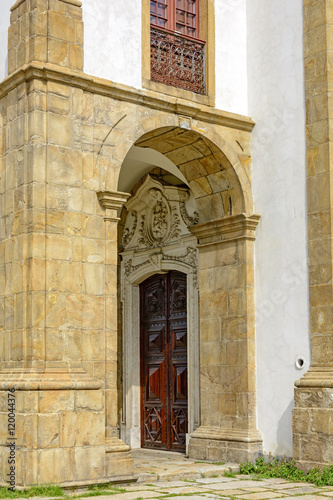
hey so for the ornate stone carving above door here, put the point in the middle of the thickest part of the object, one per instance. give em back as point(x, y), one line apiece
point(157, 216)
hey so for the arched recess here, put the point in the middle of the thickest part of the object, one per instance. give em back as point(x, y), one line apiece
point(225, 233)
point(144, 254)
point(210, 174)
point(156, 130)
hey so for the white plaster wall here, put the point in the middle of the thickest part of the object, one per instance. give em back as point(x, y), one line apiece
point(5, 6)
point(113, 47)
point(276, 102)
point(112, 38)
point(231, 55)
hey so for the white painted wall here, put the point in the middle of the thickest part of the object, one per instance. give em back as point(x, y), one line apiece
point(276, 102)
point(112, 38)
point(231, 56)
point(113, 47)
point(5, 6)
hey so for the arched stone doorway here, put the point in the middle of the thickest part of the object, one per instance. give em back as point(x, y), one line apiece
point(223, 422)
point(155, 244)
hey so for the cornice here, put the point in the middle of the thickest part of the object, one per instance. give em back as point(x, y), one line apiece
point(50, 72)
point(317, 377)
point(49, 380)
point(229, 228)
point(238, 435)
point(77, 3)
point(112, 200)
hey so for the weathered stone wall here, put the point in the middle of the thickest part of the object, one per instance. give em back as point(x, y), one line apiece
point(312, 416)
point(47, 32)
point(60, 436)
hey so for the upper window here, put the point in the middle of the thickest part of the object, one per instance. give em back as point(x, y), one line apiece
point(180, 16)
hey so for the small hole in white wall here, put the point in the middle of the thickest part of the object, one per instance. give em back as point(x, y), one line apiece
point(300, 362)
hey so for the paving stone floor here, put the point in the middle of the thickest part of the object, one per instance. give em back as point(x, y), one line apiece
point(162, 474)
point(170, 475)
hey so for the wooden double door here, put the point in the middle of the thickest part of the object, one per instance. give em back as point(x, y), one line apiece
point(164, 400)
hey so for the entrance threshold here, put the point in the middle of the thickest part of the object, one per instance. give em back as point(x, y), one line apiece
point(156, 465)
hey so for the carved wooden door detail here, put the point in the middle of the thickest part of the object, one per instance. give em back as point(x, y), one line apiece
point(164, 406)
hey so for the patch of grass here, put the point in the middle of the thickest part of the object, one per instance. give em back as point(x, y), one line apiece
point(287, 469)
point(34, 491)
point(56, 491)
point(99, 493)
point(229, 473)
point(95, 490)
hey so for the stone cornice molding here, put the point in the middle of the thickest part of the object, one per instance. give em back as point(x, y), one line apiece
point(238, 435)
point(48, 380)
point(317, 376)
point(112, 200)
point(50, 72)
point(77, 3)
point(234, 227)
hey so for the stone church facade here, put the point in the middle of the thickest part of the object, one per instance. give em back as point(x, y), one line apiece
point(128, 260)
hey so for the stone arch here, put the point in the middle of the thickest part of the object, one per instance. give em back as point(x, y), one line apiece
point(220, 180)
point(210, 174)
point(222, 159)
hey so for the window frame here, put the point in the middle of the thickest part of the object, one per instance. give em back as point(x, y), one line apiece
point(171, 20)
point(207, 32)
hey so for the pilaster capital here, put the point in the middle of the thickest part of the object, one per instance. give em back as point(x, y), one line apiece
point(234, 227)
point(112, 201)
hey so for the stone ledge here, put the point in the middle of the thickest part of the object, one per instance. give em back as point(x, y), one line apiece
point(321, 377)
point(51, 72)
point(77, 3)
point(25, 380)
point(239, 435)
point(241, 226)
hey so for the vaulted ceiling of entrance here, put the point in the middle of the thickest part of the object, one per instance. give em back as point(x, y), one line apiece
point(207, 170)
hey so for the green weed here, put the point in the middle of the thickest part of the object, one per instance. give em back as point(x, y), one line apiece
point(287, 469)
point(34, 491)
point(229, 473)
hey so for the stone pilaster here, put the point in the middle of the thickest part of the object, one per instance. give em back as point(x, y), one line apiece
point(313, 413)
point(227, 341)
point(47, 31)
point(118, 457)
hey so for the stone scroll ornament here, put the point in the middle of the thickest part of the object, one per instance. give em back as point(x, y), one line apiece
point(157, 228)
point(157, 216)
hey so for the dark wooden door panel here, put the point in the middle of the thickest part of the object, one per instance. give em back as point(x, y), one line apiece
point(163, 315)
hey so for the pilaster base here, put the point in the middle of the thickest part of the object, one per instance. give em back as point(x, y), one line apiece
point(119, 463)
point(52, 428)
point(313, 419)
point(228, 445)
